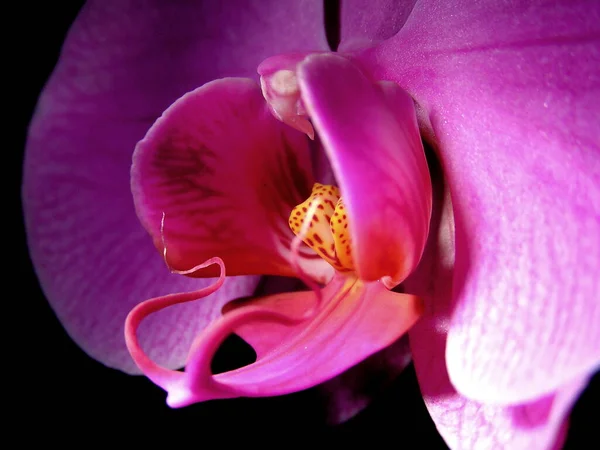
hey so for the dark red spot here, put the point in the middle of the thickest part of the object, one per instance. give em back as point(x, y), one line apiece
point(309, 242)
point(327, 218)
point(346, 226)
point(304, 209)
point(344, 216)
point(297, 213)
point(321, 207)
point(342, 235)
point(336, 214)
point(322, 250)
point(339, 220)
point(316, 218)
point(318, 238)
point(332, 246)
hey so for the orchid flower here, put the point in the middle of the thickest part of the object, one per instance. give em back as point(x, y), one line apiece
point(230, 179)
point(506, 95)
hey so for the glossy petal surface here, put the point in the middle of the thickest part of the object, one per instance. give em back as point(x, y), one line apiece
point(347, 394)
point(225, 174)
point(353, 321)
point(509, 93)
point(371, 137)
point(122, 64)
point(462, 422)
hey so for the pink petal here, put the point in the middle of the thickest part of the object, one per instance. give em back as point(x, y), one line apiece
point(462, 422)
point(263, 337)
point(510, 92)
point(354, 321)
point(366, 22)
point(347, 394)
point(225, 176)
point(122, 64)
point(374, 146)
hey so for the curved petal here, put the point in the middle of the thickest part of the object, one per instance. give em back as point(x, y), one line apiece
point(122, 64)
point(462, 422)
point(263, 337)
point(347, 394)
point(354, 321)
point(358, 318)
point(371, 137)
point(512, 99)
point(383, 20)
point(217, 175)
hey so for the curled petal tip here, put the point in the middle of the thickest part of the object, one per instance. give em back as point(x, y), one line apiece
point(170, 380)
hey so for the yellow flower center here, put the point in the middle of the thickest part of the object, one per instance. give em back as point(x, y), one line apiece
point(328, 233)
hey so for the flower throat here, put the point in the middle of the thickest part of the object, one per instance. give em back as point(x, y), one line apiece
point(328, 233)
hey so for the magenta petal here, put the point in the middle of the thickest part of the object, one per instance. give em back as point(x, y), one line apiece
point(122, 64)
point(511, 91)
point(354, 321)
point(541, 424)
point(462, 422)
point(370, 134)
point(345, 395)
point(93, 258)
point(217, 175)
point(367, 22)
point(263, 337)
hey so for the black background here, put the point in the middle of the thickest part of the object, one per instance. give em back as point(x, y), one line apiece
point(59, 394)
